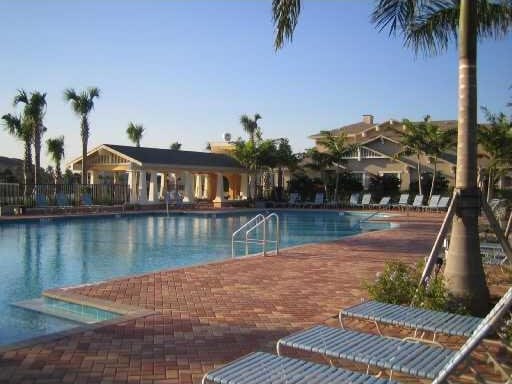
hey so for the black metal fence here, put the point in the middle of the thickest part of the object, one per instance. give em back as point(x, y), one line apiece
point(42, 195)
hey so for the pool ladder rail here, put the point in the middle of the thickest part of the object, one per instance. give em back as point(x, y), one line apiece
point(258, 221)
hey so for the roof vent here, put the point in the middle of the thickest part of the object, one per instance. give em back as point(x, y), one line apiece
point(368, 119)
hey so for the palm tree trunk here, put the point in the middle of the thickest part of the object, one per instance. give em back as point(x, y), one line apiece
point(464, 273)
point(58, 172)
point(37, 154)
point(490, 184)
point(420, 190)
point(27, 168)
point(433, 179)
point(336, 186)
point(85, 138)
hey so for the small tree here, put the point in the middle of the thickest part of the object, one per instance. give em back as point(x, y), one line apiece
point(135, 133)
point(176, 146)
point(250, 126)
point(412, 139)
point(82, 104)
point(55, 149)
point(336, 149)
point(18, 127)
point(496, 140)
point(437, 142)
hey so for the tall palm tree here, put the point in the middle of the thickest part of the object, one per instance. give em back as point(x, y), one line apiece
point(55, 149)
point(336, 148)
point(251, 126)
point(437, 142)
point(246, 152)
point(17, 127)
point(135, 133)
point(82, 104)
point(413, 144)
point(429, 26)
point(34, 111)
point(496, 140)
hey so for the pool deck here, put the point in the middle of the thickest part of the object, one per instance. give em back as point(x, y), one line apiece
point(201, 317)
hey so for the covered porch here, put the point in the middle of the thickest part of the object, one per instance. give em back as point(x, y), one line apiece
point(153, 174)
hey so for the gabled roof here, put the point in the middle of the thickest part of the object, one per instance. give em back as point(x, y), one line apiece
point(146, 155)
point(360, 127)
point(161, 156)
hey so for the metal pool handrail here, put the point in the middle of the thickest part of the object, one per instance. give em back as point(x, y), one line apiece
point(259, 217)
point(264, 241)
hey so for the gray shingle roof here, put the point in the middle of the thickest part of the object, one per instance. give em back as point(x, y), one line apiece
point(176, 157)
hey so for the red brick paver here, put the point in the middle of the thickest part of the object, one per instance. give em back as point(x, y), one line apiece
point(208, 315)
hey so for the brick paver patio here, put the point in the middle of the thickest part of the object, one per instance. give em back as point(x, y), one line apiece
point(207, 315)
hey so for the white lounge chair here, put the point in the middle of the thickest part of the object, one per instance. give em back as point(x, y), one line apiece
point(402, 202)
point(354, 200)
point(417, 202)
point(365, 201)
point(432, 203)
point(413, 358)
point(383, 203)
point(318, 202)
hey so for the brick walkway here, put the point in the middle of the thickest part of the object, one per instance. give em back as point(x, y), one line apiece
point(208, 315)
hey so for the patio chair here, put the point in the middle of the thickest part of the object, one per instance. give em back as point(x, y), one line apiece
point(265, 368)
point(292, 199)
point(365, 201)
point(354, 200)
point(493, 254)
point(411, 357)
point(402, 202)
point(41, 201)
point(62, 201)
point(417, 202)
point(383, 203)
point(432, 203)
point(443, 203)
point(318, 202)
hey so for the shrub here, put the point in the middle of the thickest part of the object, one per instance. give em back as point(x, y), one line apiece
point(385, 185)
point(398, 284)
point(441, 186)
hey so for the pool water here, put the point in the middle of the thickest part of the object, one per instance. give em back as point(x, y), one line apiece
point(36, 256)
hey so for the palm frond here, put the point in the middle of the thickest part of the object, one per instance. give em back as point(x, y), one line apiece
point(285, 14)
point(21, 97)
point(55, 148)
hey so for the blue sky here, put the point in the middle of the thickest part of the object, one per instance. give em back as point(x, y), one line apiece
point(187, 70)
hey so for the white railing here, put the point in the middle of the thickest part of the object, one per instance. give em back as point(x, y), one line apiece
point(256, 219)
point(259, 221)
point(364, 153)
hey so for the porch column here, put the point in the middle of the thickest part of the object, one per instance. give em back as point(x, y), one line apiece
point(143, 189)
point(132, 182)
point(153, 188)
point(93, 177)
point(163, 184)
point(188, 192)
point(114, 178)
point(244, 186)
point(198, 187)
point(205, 190)
point(219, 196)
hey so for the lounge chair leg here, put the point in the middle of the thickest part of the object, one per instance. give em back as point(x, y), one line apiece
point(278, 349)
point(341, 321)
point(378, 328)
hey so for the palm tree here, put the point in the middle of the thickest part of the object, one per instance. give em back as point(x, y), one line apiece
point(496, 140)
point(82, 104)
point(176, 146)
point(285, 158)
point(319, 162)
point(437, 142)
point(411, 139)
point(34, 111)
point(429, 26)
point(55, 149)
point(17, 127)
point(251, 126)
point(135, 133)
point(246, 153)
point(336, 148)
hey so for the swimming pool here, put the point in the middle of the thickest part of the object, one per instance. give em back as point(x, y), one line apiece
point(40, 255)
